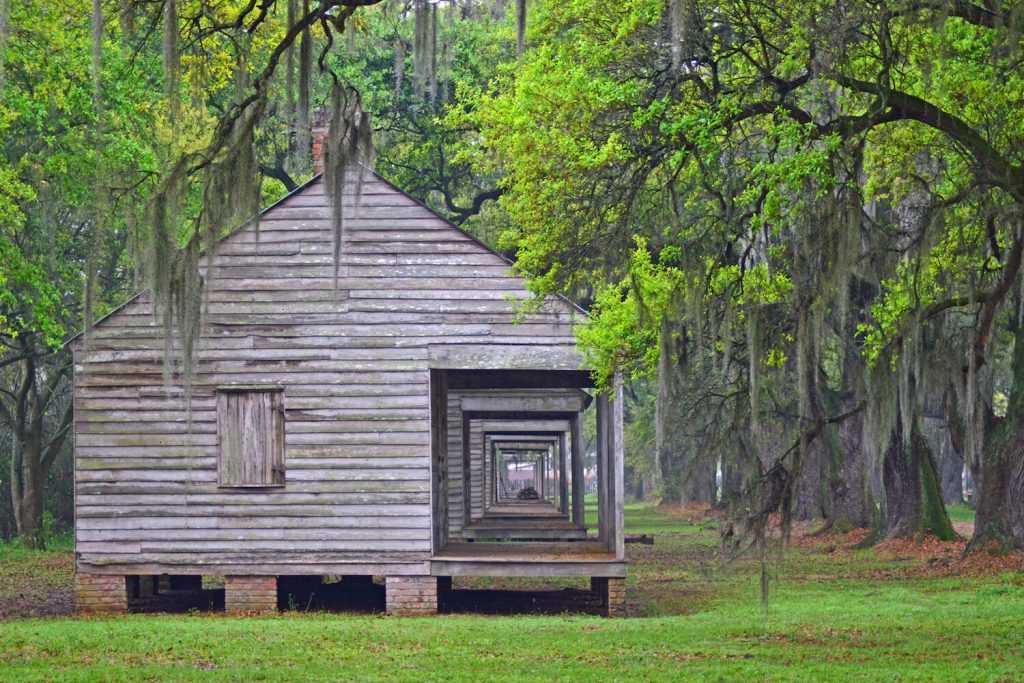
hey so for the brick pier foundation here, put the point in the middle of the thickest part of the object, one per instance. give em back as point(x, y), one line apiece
point(250, 594)
point(411, 595)
point(101, 593)
point(612, 592)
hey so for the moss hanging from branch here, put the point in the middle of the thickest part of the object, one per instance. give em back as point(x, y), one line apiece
point(348, 154)
point(418, 42)
point(126, 17)
point(88, 298)
point(753, 370)
point(97, 51)
point(520, 27)
point(446, 50)
point(289, 76)
point(172, 61)
point(302, 115)
point(227, 170)
point(399, 71)
point(98, 208)
point(186, 295)
point(424, 49)
point(5, 30)
point(431, 50)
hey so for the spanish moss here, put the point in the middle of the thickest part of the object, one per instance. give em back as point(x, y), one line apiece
point(348, 153)
point(97, 50)
point(399, 70)
point(172, 61)
point(88, 297)
point(431, 52)
point(753, 371)
point(305, 74)
point(424, 49)
point(289, 76)
point(446, 50)
point(520, 27)
point(676, 29)
point(5, 17)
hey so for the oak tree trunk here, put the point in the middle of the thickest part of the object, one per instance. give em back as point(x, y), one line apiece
point(913, 502)
point(849, 500)
point(686, 476)
point(40, 431)
point(999, 481)
point(27, 497)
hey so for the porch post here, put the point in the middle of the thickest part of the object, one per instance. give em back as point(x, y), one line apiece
point(563, 480)
point(576, 438)
point(616, 485)
point(603, 440)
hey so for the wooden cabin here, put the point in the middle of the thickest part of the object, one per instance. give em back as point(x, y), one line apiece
point(342, 428)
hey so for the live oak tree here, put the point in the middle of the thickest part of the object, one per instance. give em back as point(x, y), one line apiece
point(809, 179)
point(69, 174)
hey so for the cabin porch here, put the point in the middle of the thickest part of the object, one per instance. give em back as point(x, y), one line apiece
point(491, 427)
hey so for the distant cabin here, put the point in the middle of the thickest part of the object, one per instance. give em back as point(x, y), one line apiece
point(376, 426)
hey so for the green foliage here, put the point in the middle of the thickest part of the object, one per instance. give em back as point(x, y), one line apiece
point(68, 173)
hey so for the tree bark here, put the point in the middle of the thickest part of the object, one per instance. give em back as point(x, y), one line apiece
point(912, 498)
point(667, 444)
point(809, 503)
point(732, 484)
point(999, 481)
point(849, 500)
point(947, 459)
point(687, 477)
point(39, 436)
point(812, 468)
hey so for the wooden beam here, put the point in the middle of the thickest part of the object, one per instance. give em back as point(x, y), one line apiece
point(576, 454)
point(603, 421)
point(542, 403)
point(439, 458)
point(616, 488)
point(536, 569)
point(466, 474)
point(506, 356)
point(511, 379)
point(563, 474)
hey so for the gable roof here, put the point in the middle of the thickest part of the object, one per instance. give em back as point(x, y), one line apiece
point(300, 189)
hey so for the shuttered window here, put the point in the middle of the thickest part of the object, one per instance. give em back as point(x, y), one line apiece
point(250, 431)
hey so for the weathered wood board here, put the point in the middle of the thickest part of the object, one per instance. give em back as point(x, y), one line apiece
point(350, 344)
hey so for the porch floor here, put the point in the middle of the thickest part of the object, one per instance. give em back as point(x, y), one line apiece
point(584, 558)
point(525, 528)
point(523, 508)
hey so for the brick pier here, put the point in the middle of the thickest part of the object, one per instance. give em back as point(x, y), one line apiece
point(411, 595)
point(101, 592)
point(250, 594)
point(612, 592)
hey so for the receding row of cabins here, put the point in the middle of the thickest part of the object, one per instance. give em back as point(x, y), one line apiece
point(367, 426)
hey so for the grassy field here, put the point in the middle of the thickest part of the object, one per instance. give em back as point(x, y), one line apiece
point(898, 612)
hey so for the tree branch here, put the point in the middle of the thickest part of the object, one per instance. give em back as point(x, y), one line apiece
point(53, 448)
point(992, 164)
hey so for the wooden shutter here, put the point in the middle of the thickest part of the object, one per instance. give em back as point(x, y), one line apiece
point(250, 429)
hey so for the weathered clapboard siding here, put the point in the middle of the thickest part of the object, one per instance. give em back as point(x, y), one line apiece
point(349, 344)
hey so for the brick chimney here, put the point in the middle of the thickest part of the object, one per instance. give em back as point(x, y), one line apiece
point(321, 122)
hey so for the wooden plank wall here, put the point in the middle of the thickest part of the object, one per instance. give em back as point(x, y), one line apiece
point(352, 358)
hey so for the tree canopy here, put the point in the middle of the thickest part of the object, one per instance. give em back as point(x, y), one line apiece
point(796, 227)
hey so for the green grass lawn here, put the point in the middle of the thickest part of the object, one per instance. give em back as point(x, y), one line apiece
point(834, 614)
point(960, 512)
